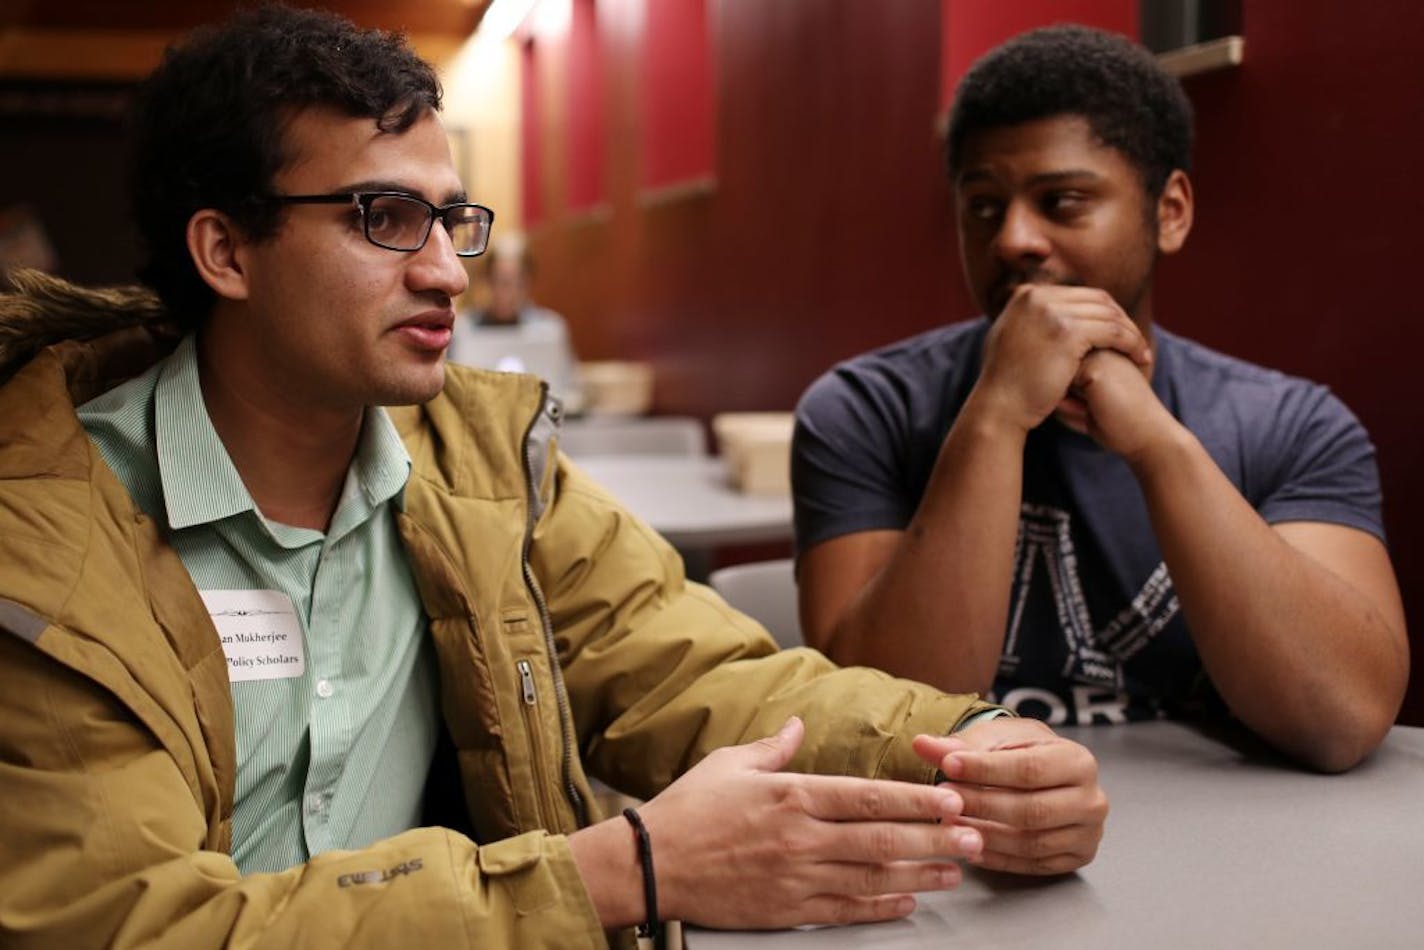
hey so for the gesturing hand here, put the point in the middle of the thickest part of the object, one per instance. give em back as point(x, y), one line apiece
point(740, 844)
point(1033, 795)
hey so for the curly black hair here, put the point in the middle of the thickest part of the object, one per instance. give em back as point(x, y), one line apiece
point(1130, 103)
point(208, 125)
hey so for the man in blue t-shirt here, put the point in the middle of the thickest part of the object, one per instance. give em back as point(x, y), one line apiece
point(1090, 517)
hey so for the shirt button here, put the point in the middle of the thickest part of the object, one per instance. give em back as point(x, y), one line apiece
point(316, 804)
point(324, 689)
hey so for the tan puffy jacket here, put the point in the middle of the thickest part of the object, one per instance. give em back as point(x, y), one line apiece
point(117, 754)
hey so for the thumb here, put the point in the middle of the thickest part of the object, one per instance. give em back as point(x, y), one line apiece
point(775, 751)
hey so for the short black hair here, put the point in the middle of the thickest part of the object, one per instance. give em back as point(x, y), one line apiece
point(209, 123)
point(1129, 101)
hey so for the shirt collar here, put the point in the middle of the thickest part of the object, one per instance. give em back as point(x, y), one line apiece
point(200, 483)
point(382, 465)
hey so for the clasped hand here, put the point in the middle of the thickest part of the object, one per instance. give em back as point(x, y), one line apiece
point(1031, 794)
point(1073, 352)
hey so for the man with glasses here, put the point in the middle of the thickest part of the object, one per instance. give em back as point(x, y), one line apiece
point(281, 667)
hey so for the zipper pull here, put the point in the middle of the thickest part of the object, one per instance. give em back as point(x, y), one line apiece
point(526, 680)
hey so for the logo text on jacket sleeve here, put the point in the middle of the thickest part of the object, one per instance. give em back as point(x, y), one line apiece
point(376, 877)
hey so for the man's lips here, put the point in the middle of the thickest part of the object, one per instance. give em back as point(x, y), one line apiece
point(436, 319)
point(430, 330)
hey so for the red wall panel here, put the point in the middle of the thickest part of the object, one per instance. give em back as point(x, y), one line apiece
point(585, 108)
point(678, 101)
point(970, 28)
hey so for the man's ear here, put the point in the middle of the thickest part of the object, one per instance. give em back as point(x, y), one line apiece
point(216, 244)
point(1174, 213)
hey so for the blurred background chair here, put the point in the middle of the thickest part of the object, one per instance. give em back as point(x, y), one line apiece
point(645, 435)
point(765, 591)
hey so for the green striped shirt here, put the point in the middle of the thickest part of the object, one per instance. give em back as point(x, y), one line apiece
point(333, 750)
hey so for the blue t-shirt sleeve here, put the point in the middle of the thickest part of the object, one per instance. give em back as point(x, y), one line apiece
point(847, 457)
point(1323, 465)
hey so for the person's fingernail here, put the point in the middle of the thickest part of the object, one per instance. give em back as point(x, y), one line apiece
point(950, 802)
point(905, 906)
point(952, 766)
point(970, 840)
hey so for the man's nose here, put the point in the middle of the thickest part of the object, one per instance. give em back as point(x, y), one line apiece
point(1021, 234)
point(437, 266)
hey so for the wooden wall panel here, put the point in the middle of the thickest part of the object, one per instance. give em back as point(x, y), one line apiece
point(829, 221)
point(107, 40)
point(830, 229)
point(1302, 257)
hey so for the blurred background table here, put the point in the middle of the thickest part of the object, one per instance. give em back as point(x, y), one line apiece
point(689, 500)
point(1207, 845)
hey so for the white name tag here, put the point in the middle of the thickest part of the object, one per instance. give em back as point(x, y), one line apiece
point(261, 636)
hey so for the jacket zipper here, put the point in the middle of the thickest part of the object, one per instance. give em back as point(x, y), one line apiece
point(536, 740)
point(526, 682)
point(561, 696)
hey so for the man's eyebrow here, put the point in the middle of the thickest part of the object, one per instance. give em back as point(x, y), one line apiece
point(976, 175)
point(457, 196)
point(1065, 176)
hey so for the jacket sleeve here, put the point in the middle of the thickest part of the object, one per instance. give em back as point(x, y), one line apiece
point(661, 671)
point(102, 845)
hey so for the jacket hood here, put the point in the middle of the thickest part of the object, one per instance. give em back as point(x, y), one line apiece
point(42, 310)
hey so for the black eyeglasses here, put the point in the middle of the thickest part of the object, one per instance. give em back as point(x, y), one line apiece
point(401, 222)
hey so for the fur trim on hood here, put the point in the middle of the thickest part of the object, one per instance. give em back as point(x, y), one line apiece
point(43, 310)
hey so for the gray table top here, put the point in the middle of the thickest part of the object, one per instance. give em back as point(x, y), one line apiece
point(688, 499)
point(1206, 846)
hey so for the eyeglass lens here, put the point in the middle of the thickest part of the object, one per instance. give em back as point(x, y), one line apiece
point(402, 223)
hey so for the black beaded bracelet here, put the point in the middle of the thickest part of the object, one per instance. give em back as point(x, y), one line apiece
point(651, 929)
